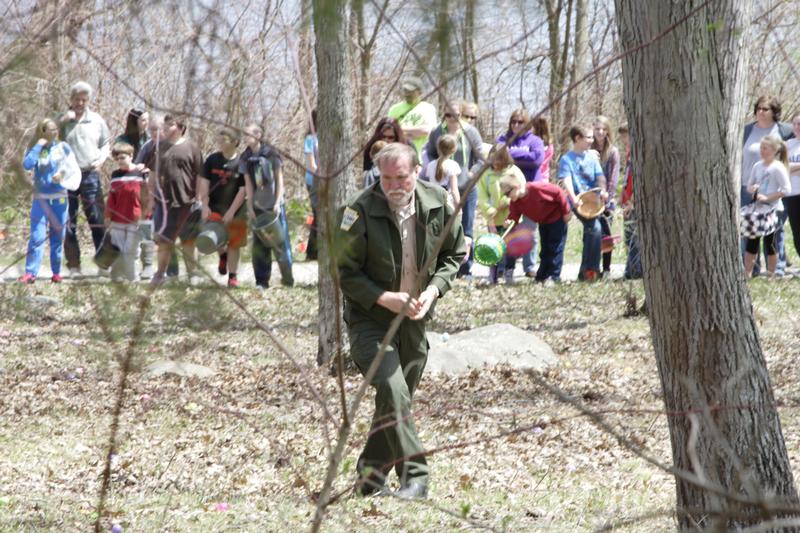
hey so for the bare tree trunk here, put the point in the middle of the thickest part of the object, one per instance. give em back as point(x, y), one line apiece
point(442, 33)
point(579, 60)
point(305, 49)
point(470, 73)
point(684, 96)
point(363, 78)
point(334, 113)
point(557, 53)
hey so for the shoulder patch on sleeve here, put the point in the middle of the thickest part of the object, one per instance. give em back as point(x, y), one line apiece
point(348, 218)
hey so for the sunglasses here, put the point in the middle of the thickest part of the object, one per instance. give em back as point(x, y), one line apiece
point(764, 109)
point(451, 115)
point(517, 122)
point(470, 117)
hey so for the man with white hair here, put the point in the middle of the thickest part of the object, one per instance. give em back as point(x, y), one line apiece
point(87, 134)
point(386, 238)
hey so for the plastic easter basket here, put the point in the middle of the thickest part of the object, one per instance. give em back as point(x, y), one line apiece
point(489, 249)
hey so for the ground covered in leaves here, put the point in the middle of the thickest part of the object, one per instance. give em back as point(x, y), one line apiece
point(247, 448)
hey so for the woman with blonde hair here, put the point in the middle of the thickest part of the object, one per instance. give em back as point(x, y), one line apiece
point(53, 163)
point(609, 160)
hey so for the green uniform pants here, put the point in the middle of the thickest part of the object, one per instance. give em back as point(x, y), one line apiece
point(392, 439)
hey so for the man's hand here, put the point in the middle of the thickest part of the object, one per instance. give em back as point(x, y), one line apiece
point(68, 116)
point(251, 214)
point(762, 198)
point(426, 299)
point(97, 165)
point(604, 195)
point(227, 218)
point(57, 177)
point(394, 302)
point(206, 212)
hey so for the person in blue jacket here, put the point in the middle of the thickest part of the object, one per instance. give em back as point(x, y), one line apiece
point(48, 158)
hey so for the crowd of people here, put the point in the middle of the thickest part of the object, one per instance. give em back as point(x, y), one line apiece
point(163, 190)
point(419, 168)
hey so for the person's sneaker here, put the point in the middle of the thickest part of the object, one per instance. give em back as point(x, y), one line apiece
point(56, 278)
point(413, 491)
point(157, 280)
point(147, 272)
point(75, 272)
point(288, 282)
point(27, 279)
point(222, 267)
point(531, 274)
point(233, 283)
point(508, 277)
point(104, 272)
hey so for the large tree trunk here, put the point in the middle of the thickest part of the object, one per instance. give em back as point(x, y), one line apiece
point(684, 97)
point(334, 113)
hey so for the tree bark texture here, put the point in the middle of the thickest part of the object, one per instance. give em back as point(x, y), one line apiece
point(684, 96)
point(335, 117)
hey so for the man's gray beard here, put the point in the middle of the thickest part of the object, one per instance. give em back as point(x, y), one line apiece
point(398, 203)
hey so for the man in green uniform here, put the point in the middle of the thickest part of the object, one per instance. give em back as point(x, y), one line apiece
point(386, 235)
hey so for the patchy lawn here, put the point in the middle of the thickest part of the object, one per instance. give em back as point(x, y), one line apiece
point(246, 449)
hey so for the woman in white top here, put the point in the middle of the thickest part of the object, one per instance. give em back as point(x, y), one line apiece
point(791, 202)
point(768, 183)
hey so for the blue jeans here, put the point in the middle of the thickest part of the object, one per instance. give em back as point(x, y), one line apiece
point(90, 194)
point(262, 256)
point(592, 240)
point(48, 221)
point(553, 237)
point(529, 259)
point(467, 223)
point(633, 265)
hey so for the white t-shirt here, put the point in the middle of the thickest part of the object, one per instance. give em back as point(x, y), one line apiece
point(770, 178)
point(794, 157)
point(449, 169)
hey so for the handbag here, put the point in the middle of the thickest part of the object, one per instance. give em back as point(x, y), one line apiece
point(754, 224)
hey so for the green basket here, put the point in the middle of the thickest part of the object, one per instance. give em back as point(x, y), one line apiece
point(489, 249)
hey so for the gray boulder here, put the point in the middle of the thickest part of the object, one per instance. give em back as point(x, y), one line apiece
point(488, 345)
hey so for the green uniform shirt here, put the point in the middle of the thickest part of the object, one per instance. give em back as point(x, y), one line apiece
point(369, 253)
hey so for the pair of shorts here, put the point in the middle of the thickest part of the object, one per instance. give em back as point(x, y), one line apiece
point(237, 233)
point(167, 224)
point(237, 230)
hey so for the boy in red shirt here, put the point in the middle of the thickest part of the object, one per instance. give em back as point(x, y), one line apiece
point(546, 204)
point(127, 200)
